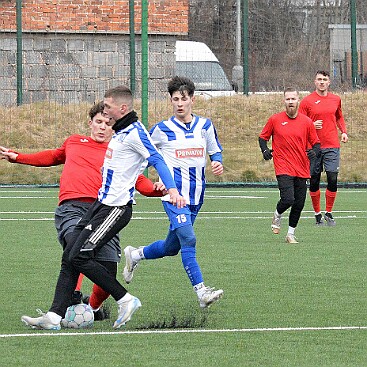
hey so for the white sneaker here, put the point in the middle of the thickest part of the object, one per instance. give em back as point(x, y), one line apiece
point(130, 265)
point(275, 224)
point(42, 323)
point(290, 238)
point(209, 296)
point(126, 310)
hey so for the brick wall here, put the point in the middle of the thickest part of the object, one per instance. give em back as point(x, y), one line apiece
point(165, 16)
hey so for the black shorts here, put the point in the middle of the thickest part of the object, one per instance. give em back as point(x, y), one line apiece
point(99, 225)
point(68, 215)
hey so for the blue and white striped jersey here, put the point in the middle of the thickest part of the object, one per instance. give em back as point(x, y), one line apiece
point(125, 158)
point(184, 149)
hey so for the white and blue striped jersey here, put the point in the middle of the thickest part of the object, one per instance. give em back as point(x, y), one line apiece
point(126, 154)
point(184, 149)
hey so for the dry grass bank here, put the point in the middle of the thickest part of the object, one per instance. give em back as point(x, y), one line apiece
point(238, 120)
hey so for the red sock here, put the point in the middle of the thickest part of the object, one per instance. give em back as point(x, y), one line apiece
point(97, 297)
point(80, 281)
point(315, 198)
point(330, 199)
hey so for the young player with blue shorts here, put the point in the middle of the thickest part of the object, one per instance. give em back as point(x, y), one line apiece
point(184, 141)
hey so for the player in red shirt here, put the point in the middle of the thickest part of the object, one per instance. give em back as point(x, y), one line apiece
point(324, 109)
point(80, 181)
point(291, 134)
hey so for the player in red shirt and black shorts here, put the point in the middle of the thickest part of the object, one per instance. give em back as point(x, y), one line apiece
point(82, 157)
point(291, 133)
point(324, 109)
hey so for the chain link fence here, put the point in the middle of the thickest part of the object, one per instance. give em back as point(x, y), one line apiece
point(58, 57)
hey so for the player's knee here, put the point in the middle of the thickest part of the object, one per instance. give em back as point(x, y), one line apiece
point(314, 184)
point(73, 259)
point(172, 251)
point(288, 202)
point(186, 236)
point(76, 259)
point(332, 181)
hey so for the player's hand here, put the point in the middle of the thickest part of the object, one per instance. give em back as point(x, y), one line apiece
point(267, 154)
point(311, 154)
point(318, 124)
point(159, 186)
point(176, 198)
point(217, 168)
point(344, 138)
point(8, 154)
point(314, 152)
point(2, 151)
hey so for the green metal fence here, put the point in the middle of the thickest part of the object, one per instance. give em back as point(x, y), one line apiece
point(58, 58)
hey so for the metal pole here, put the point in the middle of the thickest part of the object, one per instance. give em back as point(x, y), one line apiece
point(144, 62)
point(19, 53)
point(245, 47)
point(353, 31)
point(132, 46)
point(238, 32)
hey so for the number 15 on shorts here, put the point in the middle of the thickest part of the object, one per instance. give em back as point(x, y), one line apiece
point(181, 218)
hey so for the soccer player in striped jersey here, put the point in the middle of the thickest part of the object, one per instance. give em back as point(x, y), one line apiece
point(324, 109)
point(291, 133)
point(82, 157)
point(184, 140)
point(126, 155)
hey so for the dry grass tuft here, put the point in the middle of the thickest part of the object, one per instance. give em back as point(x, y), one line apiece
point(238, 119)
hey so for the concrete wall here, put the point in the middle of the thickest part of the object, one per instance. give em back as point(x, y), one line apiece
point(70, 68)
point(340, 52)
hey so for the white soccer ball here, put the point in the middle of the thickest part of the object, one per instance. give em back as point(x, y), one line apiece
point(79, 316)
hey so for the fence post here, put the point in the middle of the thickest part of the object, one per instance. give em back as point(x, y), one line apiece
point(19, 53)
point(132, 46)
point(144, 62)
point(245, 47)
point(353, 31)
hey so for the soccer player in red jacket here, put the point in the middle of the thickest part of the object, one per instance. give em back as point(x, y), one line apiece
point(80, 180)
point(324, 109)
point(291, 133)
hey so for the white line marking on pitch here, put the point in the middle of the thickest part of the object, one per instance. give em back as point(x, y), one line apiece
point(185, 331)
point(165, 218)
point(201, 212)
point(198, 218)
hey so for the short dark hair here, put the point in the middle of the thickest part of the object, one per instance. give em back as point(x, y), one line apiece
point(121, 90)
point(96, 108)
point(323, 72)
point(181, 84)
point(121, 93)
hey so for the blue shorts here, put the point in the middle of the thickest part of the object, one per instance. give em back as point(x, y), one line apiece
point(181, 217)
point(328, 161)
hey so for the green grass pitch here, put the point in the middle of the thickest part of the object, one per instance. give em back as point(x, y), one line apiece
point(283, 305)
